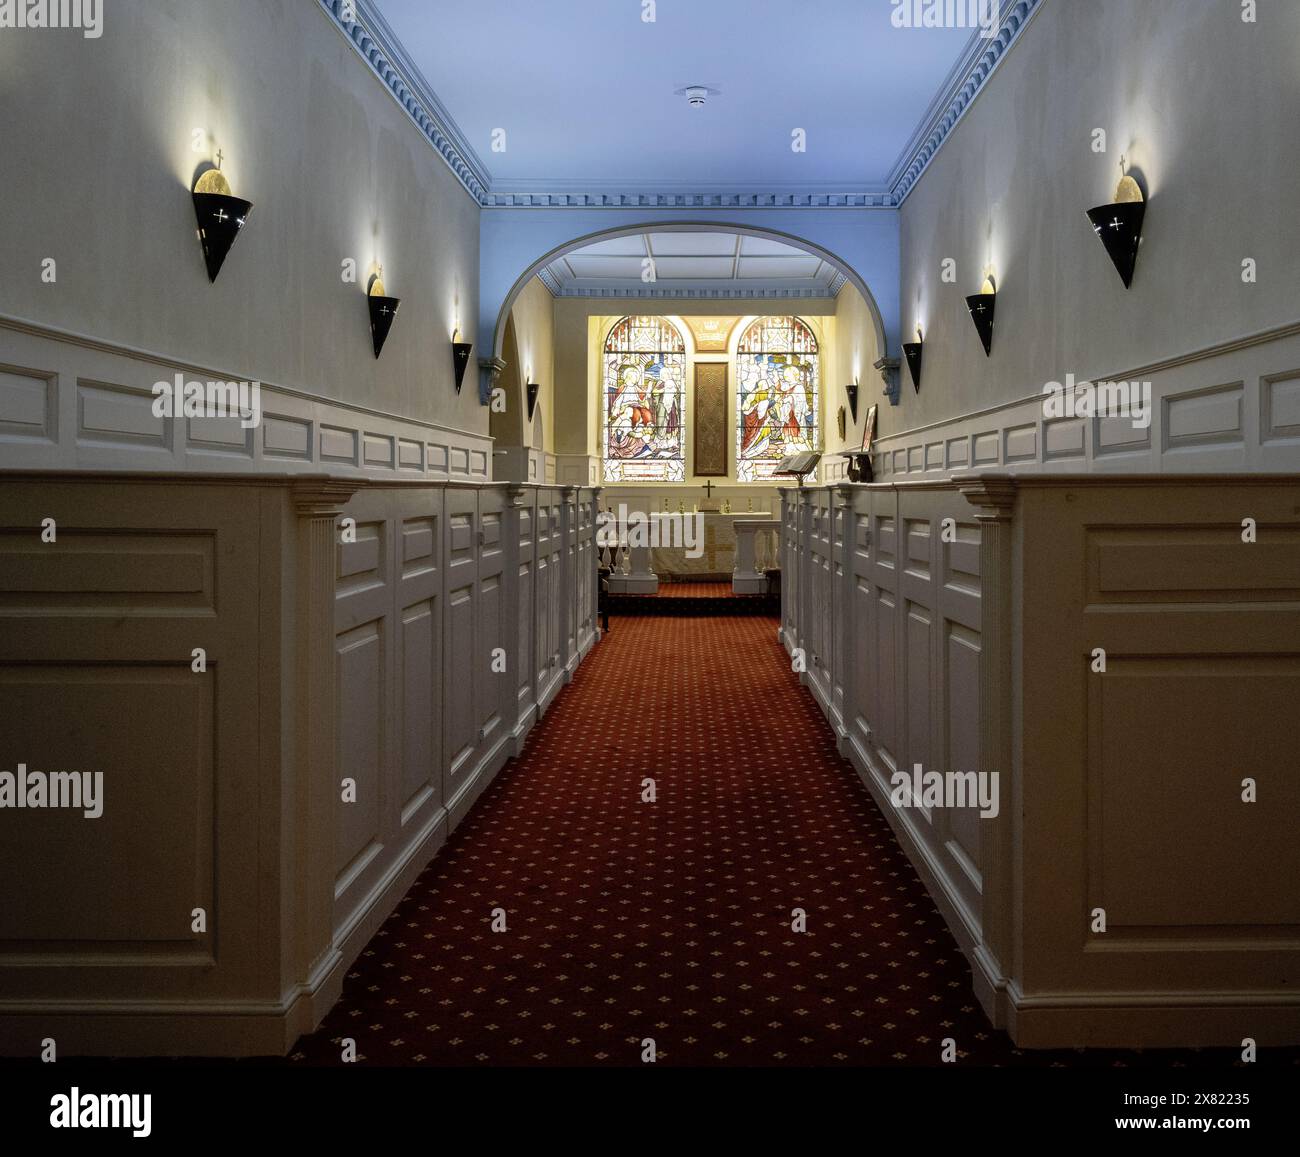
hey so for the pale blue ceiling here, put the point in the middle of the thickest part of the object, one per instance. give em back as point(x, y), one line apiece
point(585, 90)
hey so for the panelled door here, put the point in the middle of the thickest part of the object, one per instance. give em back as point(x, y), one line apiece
point(523, 663)
point(389, 679)
point(549, 619)
point(462, 614)
point(493, 660)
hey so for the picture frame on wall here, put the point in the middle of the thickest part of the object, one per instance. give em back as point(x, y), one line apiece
point(869, 429)
point(840, 424)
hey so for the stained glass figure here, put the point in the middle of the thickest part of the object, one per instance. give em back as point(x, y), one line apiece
point(643, 427)
point(776, 395)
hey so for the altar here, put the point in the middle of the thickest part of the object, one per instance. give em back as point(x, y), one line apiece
point(710, 557)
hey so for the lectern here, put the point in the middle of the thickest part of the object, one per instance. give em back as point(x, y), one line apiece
point(798, 465)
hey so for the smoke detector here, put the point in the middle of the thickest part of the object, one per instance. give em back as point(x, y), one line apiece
point(696, 94)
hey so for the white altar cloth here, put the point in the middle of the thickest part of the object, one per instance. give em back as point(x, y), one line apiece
point(718, 543)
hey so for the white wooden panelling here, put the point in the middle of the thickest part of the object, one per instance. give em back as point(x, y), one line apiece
point(388, 684)
point(97, 913)
point(1234, 407)
point(905, 608)
point(1279, 403)
point(329, 660)
point(967, 613)
point(72, 404)
point(28, 406)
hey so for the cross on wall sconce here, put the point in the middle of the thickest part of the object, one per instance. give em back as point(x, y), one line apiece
point(382, 311)
point(852, 392)
point(1119, 225)
point(221, 216)
point(460, 351)
point(533, 390)
point(982, 306)
point(912, 351)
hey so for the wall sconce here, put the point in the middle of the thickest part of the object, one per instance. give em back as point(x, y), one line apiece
point(533, 390)
point(912, 351)
point(220, 214)
point(981, 306)
point(852, 391)
point(460, 358)
point(382, 311)
point(1119, 225)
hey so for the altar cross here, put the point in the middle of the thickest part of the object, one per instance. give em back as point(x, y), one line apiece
point(708, 488)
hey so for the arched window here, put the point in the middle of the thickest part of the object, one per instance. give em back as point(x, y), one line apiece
point(643, 390)
point(776, 395)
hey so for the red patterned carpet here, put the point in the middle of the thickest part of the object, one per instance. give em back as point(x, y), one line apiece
point(696, 590)
point(672, 920)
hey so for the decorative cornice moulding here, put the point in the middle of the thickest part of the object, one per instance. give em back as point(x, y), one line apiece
point(694, 200)
point(704, 291)
point(964, 83)
point(376, 44)
point(548, 279)
point(372, 39)
point(708, 294)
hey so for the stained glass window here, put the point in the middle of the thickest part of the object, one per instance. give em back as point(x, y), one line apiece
point(644, 402)
point(776, 395)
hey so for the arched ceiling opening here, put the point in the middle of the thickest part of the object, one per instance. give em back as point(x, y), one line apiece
point(691, 259)
point(705, 263)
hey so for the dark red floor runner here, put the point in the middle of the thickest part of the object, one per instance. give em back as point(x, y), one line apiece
point(697, 590)
point(671, 920)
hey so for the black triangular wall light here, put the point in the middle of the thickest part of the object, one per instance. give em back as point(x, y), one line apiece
point(981, 306)
point(852, 391)
point(912, 351)
point(1119, 225)
point(533, 390)
point(382, 311)
point(460, 351)
point(220, 215)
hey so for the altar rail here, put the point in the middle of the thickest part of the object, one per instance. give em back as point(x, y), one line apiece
point(958, 625)
point(362, 683)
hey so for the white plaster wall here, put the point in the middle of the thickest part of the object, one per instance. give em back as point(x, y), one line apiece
point(1204, 106)
point(97, 160)
point(854, 361)
point(534, 317)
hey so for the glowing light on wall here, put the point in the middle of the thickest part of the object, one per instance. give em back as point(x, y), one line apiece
point(460, 351)
point(912, 352)
point(382, 311)
point(981, 306)
point(221, 216)
point(1119, 225)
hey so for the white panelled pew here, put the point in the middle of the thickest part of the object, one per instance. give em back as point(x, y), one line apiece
point(1124, 659)
point(295, 689)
